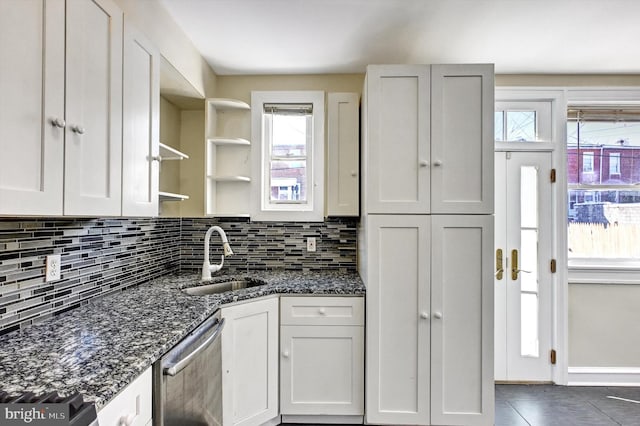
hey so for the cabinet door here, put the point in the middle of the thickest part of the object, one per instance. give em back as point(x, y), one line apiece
point(398, 335)
point(250, 363)
point(132, 405)
point(32, 102)
point(343, 191)
point(397, 139)
point(462, 385)
point(140, 115)
point(462, 139)
point(322, 370)
point(93, 142)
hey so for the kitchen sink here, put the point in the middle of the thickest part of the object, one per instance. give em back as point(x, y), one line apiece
point(223, 286)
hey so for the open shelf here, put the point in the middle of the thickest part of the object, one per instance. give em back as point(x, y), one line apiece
point(231, 178)
point(169, 153)
point(169, 196)
point(223, 103)
point(229, 141)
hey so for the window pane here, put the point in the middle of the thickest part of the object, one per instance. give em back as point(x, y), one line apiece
point(604, 224)
point(498, 125)
point(289, 135)
point(289, 181)
point(521, 126)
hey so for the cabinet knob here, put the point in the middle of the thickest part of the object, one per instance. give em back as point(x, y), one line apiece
point(285, 354)
point(77, 129)
point(437, 315)
point(353, 173)
point(322, 311)
point(437, 163)
point(156, 158)
point(424, 315)
point(424, 163)
point(58, 122)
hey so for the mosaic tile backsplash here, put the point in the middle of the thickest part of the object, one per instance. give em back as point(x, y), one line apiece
point(101, 256)
point(271, 245)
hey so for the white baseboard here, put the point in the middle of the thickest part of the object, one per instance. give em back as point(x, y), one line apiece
point(604, 376)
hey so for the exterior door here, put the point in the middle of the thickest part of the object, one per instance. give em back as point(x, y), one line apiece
point(522, 257)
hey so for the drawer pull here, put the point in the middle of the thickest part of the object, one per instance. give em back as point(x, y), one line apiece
point(128, 419)
point(322, 311)
point(285, 354)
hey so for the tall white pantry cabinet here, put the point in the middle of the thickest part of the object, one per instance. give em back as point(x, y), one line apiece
point(426, 243)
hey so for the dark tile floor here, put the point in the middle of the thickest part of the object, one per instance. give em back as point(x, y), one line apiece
point(549, 405)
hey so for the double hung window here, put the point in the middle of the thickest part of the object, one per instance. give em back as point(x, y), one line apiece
point(288, 158)
point(603, 173)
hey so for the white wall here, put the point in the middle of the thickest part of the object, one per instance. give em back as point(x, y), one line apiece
point(150, 17)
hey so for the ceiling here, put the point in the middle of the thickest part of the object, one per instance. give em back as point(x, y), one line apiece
point(343, 36)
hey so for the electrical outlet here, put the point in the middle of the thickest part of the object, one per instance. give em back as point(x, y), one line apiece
point(311, 243)
point(53, 268)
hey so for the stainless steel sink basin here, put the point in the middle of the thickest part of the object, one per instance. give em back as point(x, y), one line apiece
point(224, 286)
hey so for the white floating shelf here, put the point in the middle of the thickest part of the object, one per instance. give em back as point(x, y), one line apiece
point(169, 153)
point(229, 141)
point(168, 196)
point(231, 178)
point(223, 103)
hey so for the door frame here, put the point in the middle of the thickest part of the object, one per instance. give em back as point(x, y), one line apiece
point(559, 303)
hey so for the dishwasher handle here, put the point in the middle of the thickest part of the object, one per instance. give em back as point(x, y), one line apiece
point(174, 368)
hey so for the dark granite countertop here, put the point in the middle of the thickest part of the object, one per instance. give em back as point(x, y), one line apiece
point(101, 347)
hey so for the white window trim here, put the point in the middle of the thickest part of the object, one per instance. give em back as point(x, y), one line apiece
point(542, 108)
point(314, 210)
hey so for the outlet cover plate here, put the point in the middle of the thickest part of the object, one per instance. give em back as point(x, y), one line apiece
point(311, 243)
point(53, 268)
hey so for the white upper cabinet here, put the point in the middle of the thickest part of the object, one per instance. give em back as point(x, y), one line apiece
point(343, 147)
point(61, 107)
point(140, 135)
point(396, 148)
point(462, 139)
point(31, 106)
point(429, 139)
point(93, 108)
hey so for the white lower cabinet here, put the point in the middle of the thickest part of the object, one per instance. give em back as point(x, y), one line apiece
point(322, 359)
point(429, 320)
point(250, 363)
point(132, 406)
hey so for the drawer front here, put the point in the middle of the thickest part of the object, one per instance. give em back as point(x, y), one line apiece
point(315, 310)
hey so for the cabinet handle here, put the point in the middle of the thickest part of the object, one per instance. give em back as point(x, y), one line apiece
point(322, 311)
point(424, 315)
point(77, 129)
point(58, 122)
point(437, 163)
point(353, 173)
point(437, 315)
point(285, 354)
point(424, 163)
point(128, 419)
point(156, 158)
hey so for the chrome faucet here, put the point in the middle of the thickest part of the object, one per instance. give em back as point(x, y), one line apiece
point(208, 268)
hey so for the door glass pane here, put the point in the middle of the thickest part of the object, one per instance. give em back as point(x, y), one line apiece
point(521, 126)
point(529, 260)
point(529, 196)
point(529, 325)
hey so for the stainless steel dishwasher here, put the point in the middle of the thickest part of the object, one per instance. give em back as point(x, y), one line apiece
point(187, 380)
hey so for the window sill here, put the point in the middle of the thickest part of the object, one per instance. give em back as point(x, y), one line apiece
point(604, 271)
